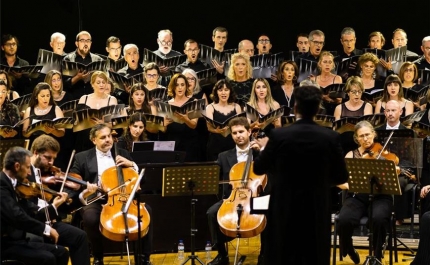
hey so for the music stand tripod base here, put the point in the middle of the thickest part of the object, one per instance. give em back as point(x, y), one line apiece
point(191, 180)
point(364, 175)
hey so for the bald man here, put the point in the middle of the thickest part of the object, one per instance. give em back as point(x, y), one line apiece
point(246, 47)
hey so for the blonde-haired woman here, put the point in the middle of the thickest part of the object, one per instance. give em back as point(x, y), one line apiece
point(261, 100)
point(326, 65)
point(240, 76)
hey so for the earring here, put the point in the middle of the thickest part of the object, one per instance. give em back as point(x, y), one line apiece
point(361, 73)
point(374, 75)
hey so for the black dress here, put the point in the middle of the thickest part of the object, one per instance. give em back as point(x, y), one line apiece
point(82, 138)
point(186, 139)
point(242, 90)
point(216, 142)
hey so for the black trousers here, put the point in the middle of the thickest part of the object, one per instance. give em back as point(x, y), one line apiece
point(91, 219)
point(76, 240)
point(349, 217)
point(34, 253)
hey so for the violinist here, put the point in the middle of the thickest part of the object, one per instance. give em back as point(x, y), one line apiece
point(301, 191)
point(392, 112)
point(18, 217)
point(355, 206)
point(91, 164)
point(45, 149)
point(241, 132)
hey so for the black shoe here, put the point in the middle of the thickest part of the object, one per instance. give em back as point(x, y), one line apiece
point(353, 254)
point(219, 260)
point(260, 260)
point(98, 262)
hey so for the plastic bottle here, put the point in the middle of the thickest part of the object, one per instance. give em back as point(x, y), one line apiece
point(181, 249)
point(208, 249)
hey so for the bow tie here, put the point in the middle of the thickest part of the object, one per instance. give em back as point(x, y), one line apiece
point(108, 154)
point(243, 152)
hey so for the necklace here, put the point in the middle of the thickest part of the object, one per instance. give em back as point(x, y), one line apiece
point(288, 97)
point(326, 78)
point(43, 111)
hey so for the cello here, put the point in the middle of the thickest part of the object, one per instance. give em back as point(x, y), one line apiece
point(234, 217)
point(119, 219)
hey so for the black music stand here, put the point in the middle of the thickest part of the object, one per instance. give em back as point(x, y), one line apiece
point(6, 144)
point(409, 150)
point(364, 175)
point(191, 180)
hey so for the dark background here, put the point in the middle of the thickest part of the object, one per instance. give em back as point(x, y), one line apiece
point(137, 21)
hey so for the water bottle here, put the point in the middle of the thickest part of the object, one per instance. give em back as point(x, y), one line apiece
point(181, 249)
point(208, 249)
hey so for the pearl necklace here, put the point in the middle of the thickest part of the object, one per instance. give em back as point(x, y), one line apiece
point(43, 111)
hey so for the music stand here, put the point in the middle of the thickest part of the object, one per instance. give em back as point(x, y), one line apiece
point(364, 174)
point(191, 180)
point(6, 144)
point(409, 150)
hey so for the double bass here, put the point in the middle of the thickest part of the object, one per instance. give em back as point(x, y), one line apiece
point(234, 217)
point(118, 222)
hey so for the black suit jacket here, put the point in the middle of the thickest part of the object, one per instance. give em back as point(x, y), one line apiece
point(17, 218)
point(226, 160)
point(305, 160)
point(384, 126)
point(85, 163)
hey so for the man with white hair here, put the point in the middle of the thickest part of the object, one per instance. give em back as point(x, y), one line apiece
point(58, 41)
point(131, 56)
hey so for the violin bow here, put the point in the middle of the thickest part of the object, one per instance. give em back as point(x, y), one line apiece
point(385, 145)
point(67, 170)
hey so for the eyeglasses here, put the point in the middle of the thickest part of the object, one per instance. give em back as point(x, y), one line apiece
point(193, 51)
point(165, 43)
point(410, 70)
point(264, 41)
point(151, 76)
point(366, 135)
point(3, 92)
point(356, 92)
point(427, 48)
point(320, 43)
point(84, 41)
point(249, 50)
point(10, 44)
point(191, 79)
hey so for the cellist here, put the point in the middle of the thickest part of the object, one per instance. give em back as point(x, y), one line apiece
point(90, 165)
point(241, 133)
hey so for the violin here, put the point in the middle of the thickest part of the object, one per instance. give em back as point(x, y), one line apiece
point(234, 217)
point(56, 177)
point(29, 189)
point(377, 151)
point(115, 224)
